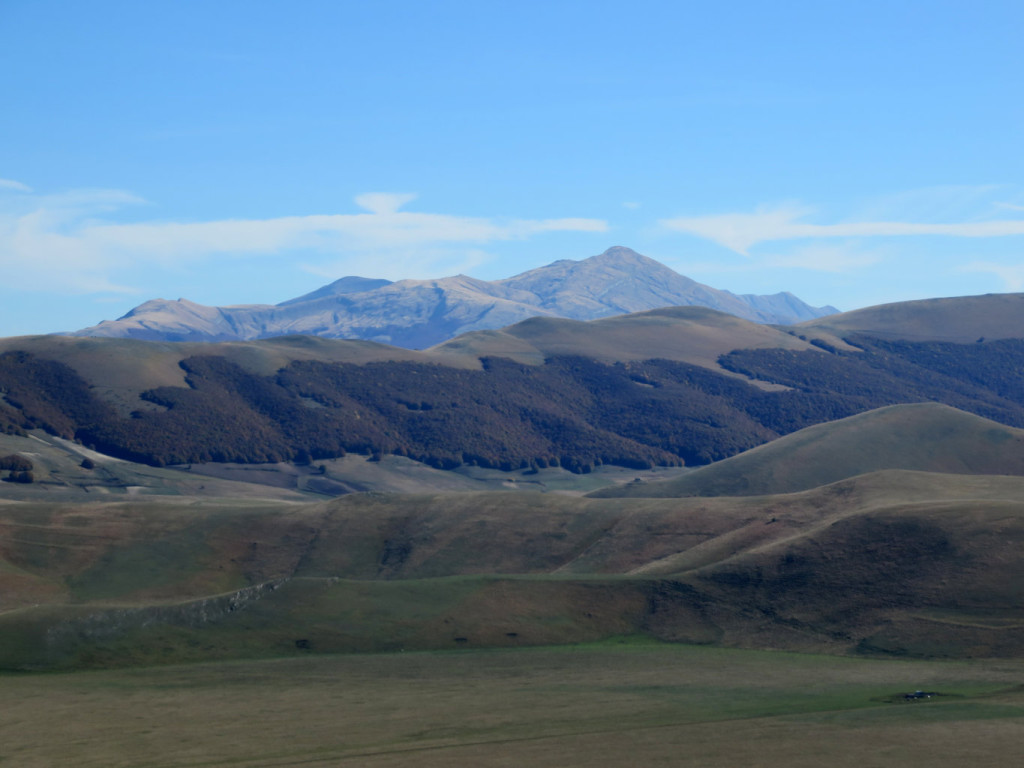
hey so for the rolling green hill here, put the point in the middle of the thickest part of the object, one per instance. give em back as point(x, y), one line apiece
point(695, 335)
point(684, 385)
point(873, 504)
point(926, 437)
point(120, 370)
point(961, 320)
point(895, 562)
point(297, 399)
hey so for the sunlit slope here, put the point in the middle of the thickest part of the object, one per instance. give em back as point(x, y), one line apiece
point(926, 437)
point(868, 563)
point(695, 335)
point(120, 369)
point(685, 384)
point(421, 313)
point(272, 400)
point(962, 319)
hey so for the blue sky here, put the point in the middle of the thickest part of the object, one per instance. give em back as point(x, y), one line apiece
point(249, 152)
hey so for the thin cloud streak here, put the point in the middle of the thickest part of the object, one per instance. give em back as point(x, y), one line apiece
point(409, 264)
point(742, 231)
point(321, 232)
point(1012, 275)
point(17, 186)
point(836, 259)
point(62, 242)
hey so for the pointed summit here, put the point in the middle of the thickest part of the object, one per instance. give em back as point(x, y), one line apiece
point(620, 281)
point(421, 313)
point(622, 255)
point(340, 287)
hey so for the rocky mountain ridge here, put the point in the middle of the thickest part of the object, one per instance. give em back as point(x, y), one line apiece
point(417, 314)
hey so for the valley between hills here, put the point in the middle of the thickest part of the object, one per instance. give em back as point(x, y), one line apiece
point(665, 487)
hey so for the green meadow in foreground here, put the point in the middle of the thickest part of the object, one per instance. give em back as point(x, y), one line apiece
point(609, 704)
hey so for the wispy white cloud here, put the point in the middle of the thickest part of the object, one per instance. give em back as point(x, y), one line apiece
point(69, 241)
point(1012, 275)
point(826, 257)
point(383, 202)
point(41, 240)
point(17, 186)
point(941, 203)
point(410, 263)
point(740, 232)
point(632, 206)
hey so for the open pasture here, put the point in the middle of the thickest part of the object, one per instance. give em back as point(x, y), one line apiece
point(609, 704)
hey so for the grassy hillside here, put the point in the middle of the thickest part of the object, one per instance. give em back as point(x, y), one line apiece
point(661, 388)
point(961, 320)
point(119, 370)
point(609, 704)
point(893, 562)
point(570, 412)
point(64, 471)
point(926, 437)
point(695, 335)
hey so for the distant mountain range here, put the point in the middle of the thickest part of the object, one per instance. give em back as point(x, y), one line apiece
point(862, 489)
point(416, 314)
point(661, 387)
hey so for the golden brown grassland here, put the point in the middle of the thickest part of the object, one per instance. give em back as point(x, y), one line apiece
point(596, 705)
